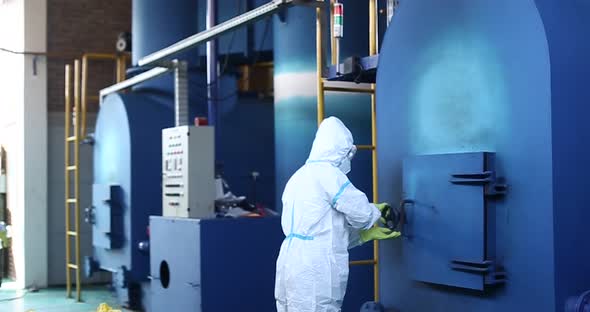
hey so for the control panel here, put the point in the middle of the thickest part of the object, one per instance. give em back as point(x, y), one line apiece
point(188, 172)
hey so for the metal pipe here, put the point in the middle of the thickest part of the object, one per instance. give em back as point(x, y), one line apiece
point(180, 93)
point(150, 74)
point(67, 116)
point(77, 176)
point(212, 84)
point(319, 64)
point(214, 32)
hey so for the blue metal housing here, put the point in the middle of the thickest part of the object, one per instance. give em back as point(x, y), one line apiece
point(215, 264)
point(508, 77)
point(127, 154)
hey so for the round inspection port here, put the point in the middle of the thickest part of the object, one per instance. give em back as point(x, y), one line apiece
point(164, 274)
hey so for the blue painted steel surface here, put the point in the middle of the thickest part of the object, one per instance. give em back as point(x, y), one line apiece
point(238, 263)
point(443, 221)
point(566, 26)
point(578, 304)
point(157, 24)
point(127, 153)
point(107, 216)
point(507, 77)
point(175, 267)
point(223, 264)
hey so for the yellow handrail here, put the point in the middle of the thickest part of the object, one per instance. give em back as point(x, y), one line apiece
point(120, 65)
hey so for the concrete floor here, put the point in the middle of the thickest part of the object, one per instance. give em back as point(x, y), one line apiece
point(54, 300)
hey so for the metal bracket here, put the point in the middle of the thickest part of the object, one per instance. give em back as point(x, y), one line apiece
point(90, 266)
point(487, 268)
point(494, 186)
point(193, 285)
point(120, 278)
point(89, 139)
point(89, 216)
point(402, 217)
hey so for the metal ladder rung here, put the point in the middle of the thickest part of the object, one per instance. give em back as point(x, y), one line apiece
point(72, 266)
point(362, 262)
point(71, 139)
point(72, 233)
point(70, 168)
point(71, 200)
point(347, 89)
point(365, 147)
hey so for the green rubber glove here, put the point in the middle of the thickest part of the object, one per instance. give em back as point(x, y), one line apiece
point(385, 210)
point(378, 233)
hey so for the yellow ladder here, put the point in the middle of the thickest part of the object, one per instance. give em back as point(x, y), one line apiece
point(74, 133)
point(72, 200)
point(322, 87)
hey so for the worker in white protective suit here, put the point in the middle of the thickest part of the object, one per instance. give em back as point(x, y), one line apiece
point(323, 216)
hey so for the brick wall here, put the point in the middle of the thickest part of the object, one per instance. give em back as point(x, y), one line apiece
point(78, 26)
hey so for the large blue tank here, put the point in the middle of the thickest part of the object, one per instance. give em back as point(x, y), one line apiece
point(127, 150)
point(510, 78)
point(127, 189)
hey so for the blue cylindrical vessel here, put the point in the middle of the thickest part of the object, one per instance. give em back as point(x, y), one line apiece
point(157, 24)
point(508, 77)
point(127, 155)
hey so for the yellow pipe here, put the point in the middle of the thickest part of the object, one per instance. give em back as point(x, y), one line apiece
point(375, 188)
point(320, 65)
point(67, 104)
point(372, 27)
point(77, 175)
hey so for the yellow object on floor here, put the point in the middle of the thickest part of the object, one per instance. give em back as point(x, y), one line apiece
point(103, 307)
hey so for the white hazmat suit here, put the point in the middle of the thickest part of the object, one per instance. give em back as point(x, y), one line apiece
point(322, 216)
